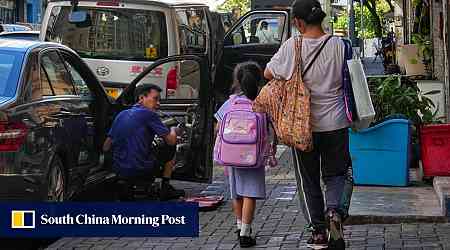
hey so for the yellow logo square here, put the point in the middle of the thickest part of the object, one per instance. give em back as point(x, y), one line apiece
point(22, 219)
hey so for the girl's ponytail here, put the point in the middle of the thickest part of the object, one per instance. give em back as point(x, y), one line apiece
point(247, 77)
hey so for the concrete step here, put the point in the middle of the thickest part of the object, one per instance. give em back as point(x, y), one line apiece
point(442, 187)
point(393, 205)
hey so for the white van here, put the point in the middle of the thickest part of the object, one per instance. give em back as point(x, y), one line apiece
point(119, 39)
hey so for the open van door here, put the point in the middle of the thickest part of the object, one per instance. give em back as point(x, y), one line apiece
point(256, 36)
point(187, 102)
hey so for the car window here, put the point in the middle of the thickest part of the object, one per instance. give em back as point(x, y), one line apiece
point(37, 80)
point(259, 28)
point(43, 88)
point(79, 83)
point(10, 66)
point(57, 74)
point(193, 28)
point(183, 79)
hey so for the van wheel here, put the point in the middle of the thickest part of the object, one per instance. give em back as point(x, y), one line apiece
point(56, 181)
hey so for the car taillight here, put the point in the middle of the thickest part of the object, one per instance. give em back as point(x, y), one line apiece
point(172, 79)
point(12, 135)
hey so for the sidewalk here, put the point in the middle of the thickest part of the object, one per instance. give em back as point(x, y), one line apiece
point(279, 224)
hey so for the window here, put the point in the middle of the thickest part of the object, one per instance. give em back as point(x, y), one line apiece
point(183, 79)
point(57, 75)
point(260, 29)
point(193, 28)
point(80, 84)
point(37, 82)
point(115, 34)
point(10, 65)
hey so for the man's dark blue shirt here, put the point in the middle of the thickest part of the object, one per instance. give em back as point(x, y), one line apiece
point(132, 134)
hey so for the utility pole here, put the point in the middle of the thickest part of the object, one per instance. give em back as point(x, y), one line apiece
point(361, 30)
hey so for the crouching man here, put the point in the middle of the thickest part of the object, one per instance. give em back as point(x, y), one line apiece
point(131, 139)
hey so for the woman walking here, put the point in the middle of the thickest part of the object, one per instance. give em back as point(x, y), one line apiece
point(330, 157)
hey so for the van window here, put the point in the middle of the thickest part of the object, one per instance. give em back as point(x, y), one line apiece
point(193, 28)
point(116, 34)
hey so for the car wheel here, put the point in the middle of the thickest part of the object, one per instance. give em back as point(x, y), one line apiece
point(56, 181)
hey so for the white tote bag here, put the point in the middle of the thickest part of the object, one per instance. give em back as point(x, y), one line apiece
point(363, 101)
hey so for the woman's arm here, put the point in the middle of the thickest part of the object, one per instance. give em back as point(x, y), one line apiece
point(268, 74)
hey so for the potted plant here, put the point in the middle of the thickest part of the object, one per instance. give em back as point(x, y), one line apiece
point(382, 153)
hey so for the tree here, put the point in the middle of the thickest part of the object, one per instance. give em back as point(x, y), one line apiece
point(373, 21)
point(228, 5)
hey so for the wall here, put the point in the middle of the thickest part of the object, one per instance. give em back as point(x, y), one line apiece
point(438, 40)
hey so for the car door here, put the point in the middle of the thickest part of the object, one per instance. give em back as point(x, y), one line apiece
point(93, 111)
point(189, 103)
point(256, 36)
point(70, 130)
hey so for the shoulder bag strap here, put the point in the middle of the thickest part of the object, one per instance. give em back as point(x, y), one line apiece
point(316, 55)
point(298, 54)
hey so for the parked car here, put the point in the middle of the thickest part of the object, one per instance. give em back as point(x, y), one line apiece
point(22, 35)
point(13, 27)
point(54, 116)
point(118, 43)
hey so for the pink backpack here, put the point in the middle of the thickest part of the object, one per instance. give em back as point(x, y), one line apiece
point(242, 140)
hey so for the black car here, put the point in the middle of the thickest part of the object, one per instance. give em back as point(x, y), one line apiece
point(55, 114)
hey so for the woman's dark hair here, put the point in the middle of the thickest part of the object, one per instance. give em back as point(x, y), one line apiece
point(247, 77)
point(309, 11)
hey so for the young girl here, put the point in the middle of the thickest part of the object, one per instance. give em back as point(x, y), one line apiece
point(246, 185)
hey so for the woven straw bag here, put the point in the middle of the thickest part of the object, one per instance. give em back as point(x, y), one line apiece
point(288, 104)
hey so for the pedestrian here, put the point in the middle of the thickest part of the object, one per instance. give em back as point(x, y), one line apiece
point(130, 138)
point(330, 157)
point(265, 34)
point(235, 14)
point(246, 185)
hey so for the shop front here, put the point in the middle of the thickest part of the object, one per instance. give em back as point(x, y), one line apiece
point(7, 11)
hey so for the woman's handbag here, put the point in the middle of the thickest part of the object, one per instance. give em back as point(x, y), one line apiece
point(288, 104)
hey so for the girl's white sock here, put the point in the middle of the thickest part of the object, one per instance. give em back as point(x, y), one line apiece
point(245, 229)
point(238, 224)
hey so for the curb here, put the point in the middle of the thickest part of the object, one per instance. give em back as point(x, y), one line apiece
point(398, 219)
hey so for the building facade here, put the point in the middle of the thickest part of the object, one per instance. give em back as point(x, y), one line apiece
point(21, 11)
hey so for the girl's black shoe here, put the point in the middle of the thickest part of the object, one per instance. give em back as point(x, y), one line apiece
point(246, 241)
point(238, 232)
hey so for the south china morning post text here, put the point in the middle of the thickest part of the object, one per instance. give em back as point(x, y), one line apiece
point(78, 219)
point(86, 219)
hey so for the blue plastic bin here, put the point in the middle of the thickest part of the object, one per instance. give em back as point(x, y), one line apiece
point(380, 154)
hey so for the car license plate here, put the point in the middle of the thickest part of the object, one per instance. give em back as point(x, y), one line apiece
point(113, 92)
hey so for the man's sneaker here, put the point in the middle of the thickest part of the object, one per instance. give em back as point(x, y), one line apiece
point(246, 241)
point(318, 240)
point(335, 230)
point(168, 192)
